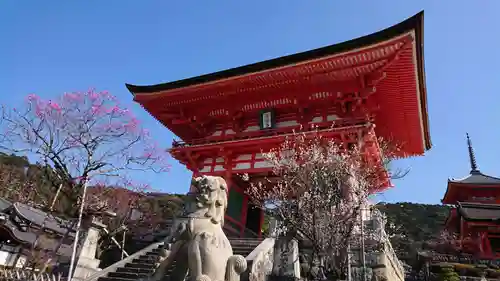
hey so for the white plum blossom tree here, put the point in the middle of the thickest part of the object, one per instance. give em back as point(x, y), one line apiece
point(317, 192)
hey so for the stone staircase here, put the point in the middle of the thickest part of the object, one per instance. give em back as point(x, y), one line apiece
point(143, 266)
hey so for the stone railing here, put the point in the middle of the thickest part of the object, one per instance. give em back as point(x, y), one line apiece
point(391, 254)
point(121, 263)
point(260, 260)
point(377, 247)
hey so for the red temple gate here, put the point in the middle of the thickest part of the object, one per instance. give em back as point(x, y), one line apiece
point(351, 92)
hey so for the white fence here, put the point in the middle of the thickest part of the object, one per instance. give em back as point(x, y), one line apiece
point(16, 274)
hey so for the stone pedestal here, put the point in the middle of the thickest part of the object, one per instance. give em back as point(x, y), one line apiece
point(379, 273)
point(286, 258)
point(86, 263)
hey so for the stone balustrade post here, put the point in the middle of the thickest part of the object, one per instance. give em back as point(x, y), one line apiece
point(86, 262)
point(273, 227)
point(286, 258)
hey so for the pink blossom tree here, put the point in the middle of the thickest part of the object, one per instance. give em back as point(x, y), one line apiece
point(83, 136)
point(318, 191)
point(85, 139)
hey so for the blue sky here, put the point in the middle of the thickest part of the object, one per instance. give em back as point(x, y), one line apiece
point(49, 47)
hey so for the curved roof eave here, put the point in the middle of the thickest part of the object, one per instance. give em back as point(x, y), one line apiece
point(38, 217)
point(477, 178)
point(413, 23)
point(19, 236)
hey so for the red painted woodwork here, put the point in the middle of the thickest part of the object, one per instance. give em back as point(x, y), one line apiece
point(341, 91)
point(381, 79)
point(482, 230)
point(212, 158)
point(466, 193)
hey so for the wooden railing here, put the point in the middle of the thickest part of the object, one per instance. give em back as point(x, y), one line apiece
point(267, 132)
point(459, 258)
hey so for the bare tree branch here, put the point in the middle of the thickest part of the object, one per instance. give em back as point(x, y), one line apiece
point(81, 137)
point(319, 191)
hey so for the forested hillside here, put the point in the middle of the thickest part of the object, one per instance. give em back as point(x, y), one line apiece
point(412, 226)
point(22, 181)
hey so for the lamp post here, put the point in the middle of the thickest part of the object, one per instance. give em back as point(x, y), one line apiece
point(77, 233)
point(363, 259)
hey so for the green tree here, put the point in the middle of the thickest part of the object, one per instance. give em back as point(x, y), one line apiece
point(448, 273)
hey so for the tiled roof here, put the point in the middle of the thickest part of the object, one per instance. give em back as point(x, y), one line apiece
point(30, 237)
point(4, 204)
point(478, 211)
point(38, 217)
point(476, 177)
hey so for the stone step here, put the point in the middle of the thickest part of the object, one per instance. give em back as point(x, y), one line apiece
point(238, 251)
point(243, 250)
point(139, 265)
point(123, 273)
point(135, 270)
point(241, 239)
point(146, 259)
point(241, 243)
point(127, 275)
point(242, 254)
point(143, 266)
point(115, 279)
point(244, 246)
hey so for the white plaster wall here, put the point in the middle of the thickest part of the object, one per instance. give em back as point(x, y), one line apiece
point(4, 258)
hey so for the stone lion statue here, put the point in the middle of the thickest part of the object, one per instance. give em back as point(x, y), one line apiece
point(199, 246)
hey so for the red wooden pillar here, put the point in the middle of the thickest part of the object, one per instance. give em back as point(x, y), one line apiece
point(481, 246)
point(487, 245)
point(229, 182)
point(261, 223)
point(461, 238)
point(244, 214)
point(195, 175)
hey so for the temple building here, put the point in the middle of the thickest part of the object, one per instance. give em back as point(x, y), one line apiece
point(25, 231)
point(352, 92)
point(476, 213)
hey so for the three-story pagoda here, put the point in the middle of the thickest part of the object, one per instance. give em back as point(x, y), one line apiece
point(475, 216)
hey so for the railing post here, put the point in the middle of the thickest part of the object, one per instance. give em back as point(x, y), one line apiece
point(273, 227)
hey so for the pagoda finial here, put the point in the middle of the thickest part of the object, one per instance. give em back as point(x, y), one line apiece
point(472, 157)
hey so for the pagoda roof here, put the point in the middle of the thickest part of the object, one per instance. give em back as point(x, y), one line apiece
point(476, 178)
point(401, 93)
point(479, 211)
point(413, 23)
point(454, 190)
